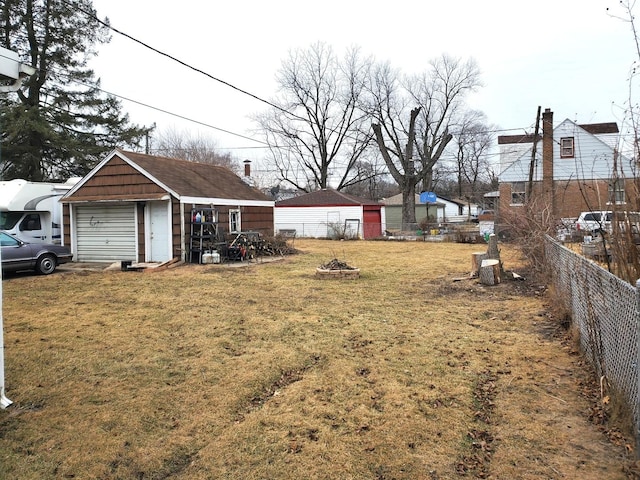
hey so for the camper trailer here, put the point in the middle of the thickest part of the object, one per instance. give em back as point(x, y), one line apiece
point(31, 211)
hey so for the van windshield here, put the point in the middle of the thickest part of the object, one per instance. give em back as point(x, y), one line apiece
point(8, 220)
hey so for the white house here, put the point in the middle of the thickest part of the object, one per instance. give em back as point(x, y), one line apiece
point(575, 168)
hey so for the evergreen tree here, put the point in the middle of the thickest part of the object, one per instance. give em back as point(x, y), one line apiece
point(59, 124)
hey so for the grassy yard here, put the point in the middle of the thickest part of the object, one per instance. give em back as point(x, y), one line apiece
point(265, 372)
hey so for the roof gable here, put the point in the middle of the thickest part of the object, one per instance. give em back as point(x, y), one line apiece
point(593, 156)
point(593, 128)
point(182, 178)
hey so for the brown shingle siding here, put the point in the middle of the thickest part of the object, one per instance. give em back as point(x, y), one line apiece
point(116, 180)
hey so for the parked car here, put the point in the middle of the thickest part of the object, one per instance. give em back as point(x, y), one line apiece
point(603, 221)
point(43, 258)
point(594, 221)
point(487, 215)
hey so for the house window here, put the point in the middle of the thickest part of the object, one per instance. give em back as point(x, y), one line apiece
point(616, 192)
point(234, 221)
point(566, 147)
point(518, 193)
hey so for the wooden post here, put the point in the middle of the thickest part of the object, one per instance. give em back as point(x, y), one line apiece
point(490, 272)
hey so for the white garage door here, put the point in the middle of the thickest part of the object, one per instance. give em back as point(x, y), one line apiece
point(105, 233)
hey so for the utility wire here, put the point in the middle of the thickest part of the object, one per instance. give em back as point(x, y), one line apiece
point(265, 144)
point(177, 115)
point(164, 111)
point(171, 57)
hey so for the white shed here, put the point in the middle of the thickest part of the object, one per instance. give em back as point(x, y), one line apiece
point(328, 213)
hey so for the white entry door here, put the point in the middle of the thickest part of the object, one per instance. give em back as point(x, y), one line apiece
point(158, 228)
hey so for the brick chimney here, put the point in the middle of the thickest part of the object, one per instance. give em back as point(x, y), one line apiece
point(247, 168)
point(547, 160)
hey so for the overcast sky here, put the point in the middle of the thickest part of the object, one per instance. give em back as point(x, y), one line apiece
point(568, 55)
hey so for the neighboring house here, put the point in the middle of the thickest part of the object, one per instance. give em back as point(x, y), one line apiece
point(138, 207)
point(458, 210)
point(393, 211)
point(328, 213)
point(575, 168)
point(443, 210)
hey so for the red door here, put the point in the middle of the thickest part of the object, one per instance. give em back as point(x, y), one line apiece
point(372, 222)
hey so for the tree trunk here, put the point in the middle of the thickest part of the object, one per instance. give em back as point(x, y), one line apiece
point(409, 206)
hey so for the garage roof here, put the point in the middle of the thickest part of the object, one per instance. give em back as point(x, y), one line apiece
point(180, 178)
point(325, 197)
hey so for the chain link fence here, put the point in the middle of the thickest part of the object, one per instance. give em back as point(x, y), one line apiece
point(605, 310)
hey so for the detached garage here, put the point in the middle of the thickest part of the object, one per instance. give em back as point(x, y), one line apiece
point(140, 208)
point(328, 213)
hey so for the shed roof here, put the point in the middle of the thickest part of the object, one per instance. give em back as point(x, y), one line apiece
point(194, 179)
point(180, 178)
point(396, 200)
point(325, 197)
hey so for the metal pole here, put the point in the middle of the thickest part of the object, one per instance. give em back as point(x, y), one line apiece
point(4, 401)
point(19, 74)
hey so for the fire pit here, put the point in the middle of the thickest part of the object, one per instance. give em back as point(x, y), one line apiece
point(337, 269)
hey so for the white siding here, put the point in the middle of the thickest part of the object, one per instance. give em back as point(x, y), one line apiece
point(314, 221)
point(105, 233)
point(593, 158)
point(510, 153)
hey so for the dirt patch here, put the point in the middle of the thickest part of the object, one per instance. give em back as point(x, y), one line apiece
point(480, 439)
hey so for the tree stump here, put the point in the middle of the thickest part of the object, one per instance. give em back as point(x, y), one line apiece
point(476, 261)
point(490, 272)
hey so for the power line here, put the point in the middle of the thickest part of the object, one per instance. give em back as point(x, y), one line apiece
point(61, 73)
point(185, 64)
point(164, 111)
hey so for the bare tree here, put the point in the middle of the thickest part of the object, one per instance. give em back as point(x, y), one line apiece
point(411, 119)
point(374, 182)
point(473, 139)
point(632, 112)
point(316, 130)
point(174, 144)
point(440, 93)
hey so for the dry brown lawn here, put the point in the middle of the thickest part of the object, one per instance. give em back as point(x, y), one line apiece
point(265, 372)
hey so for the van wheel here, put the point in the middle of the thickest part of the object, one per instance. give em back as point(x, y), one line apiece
point(46, 264)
